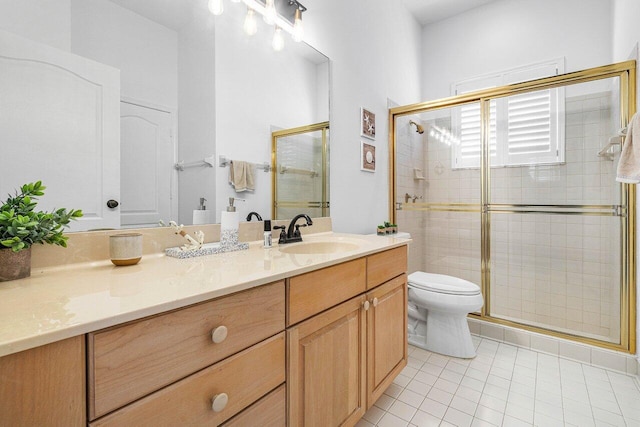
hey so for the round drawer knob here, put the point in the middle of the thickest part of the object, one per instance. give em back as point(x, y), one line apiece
point(219, 334)
point(219, 401)
point(366, 305)
point(375, 302)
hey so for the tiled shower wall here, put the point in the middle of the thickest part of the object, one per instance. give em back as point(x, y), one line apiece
point(556, 271)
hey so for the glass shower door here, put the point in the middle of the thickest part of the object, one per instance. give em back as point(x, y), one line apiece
point(556, 211)
point(438, 201)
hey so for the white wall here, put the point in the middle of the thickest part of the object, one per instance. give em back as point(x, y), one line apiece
point(43, 21)
point(145, 52)
point(511, 33)
point(626, 34)
point(374, 46)
point(196, 115)
point(626, 30)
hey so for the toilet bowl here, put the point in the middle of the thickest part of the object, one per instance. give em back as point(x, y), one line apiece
point(438, 308)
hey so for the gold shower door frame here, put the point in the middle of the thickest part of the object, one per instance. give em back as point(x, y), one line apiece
point(626, 72)
point(322, 204)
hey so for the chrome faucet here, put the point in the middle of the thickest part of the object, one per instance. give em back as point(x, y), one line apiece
point(256, 214)
point(293, 232)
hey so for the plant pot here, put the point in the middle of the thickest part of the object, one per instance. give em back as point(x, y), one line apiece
point(382, 231)
point(14, 265)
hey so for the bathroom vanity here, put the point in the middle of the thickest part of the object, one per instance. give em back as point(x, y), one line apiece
point(286, 338)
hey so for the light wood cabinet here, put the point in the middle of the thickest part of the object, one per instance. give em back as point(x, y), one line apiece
point(270, 411)
point(309, 294)
point(386, 343)
point(315, 350)
point(243, 378)
point(44, 386)
point(342, 359)
point(327, 367)
point(130, 361)
point(385, 266)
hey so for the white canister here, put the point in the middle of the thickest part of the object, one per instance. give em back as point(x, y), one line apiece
point(125, 249)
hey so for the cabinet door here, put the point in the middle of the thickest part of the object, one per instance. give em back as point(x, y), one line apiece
point(44, 385)
point(386, 335)
point(326, 385)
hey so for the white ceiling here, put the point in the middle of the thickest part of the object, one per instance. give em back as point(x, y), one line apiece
point(429, 11)
point(170, 13)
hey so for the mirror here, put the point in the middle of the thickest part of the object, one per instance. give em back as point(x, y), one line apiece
point(135, 101)
point(301, 166)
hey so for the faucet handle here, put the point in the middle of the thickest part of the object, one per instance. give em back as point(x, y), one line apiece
point(297, 232)
point(283, 233)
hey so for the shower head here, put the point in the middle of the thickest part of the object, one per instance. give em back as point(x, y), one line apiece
point(419, 128)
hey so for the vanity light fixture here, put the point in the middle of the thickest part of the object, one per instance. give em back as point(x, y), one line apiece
point(250, 24)
point(298, 30)
point(216, 7)
point(278, 40)
point(270, 13)
point(267, 8)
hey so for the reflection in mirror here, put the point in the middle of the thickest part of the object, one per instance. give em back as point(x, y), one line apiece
point(301, 171)
point(102, 98)
point(259, 91)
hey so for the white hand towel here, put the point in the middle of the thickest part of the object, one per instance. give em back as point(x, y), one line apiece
point(241, 176)
point(629, 164)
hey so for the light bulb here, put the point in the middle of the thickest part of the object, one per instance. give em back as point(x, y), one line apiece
point(216, 7)
point(278, 40)
point(250, 24)
point(270, 13)
point(298, 30)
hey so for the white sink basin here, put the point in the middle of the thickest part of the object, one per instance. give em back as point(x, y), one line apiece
point(324, 247)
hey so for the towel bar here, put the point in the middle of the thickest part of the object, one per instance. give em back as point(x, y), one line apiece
point(224, 162)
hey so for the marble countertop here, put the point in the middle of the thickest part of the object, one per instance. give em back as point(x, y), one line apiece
point(62, 302)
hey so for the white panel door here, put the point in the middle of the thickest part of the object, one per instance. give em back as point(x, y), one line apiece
point(147, 159)
point(59, 123)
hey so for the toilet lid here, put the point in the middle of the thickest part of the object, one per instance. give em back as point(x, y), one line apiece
point(442, 284)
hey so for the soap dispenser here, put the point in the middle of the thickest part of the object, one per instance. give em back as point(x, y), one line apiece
point(229, 225)
point(201, 215)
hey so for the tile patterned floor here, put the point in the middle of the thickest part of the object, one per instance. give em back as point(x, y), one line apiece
point(504, 386)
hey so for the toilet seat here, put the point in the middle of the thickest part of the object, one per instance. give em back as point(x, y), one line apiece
point(443, 284)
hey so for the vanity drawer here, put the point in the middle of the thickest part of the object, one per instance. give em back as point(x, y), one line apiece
point(244, 378)
point(386, 265)
point(313, 292)
point(270, 411)
point(133, 360)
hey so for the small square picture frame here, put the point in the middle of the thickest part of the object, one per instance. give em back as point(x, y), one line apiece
point(367, 157)
point(367, 124)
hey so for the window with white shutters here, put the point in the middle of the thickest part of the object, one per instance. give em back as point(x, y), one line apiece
point(524, 129)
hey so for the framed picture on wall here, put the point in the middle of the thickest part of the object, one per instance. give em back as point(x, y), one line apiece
point(368, 123)
point(368, 157)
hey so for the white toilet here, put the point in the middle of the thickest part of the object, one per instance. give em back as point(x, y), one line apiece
point(438, 308)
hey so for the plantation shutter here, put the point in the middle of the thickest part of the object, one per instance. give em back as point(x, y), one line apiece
point(531, 127)
point(470, 136)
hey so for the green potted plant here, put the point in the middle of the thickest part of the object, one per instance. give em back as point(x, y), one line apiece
point(394, 228)
point(21, 226)
point(382, 230)
point(387, 225)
